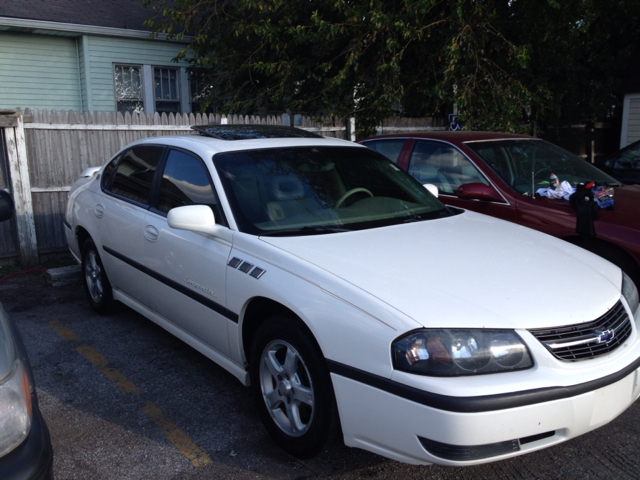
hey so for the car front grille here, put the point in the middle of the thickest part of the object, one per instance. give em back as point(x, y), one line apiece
point(587, 340)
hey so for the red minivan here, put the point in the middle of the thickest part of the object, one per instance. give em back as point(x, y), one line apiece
point(501, 175)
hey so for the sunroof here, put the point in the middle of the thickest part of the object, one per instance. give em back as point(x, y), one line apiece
point(250, 132)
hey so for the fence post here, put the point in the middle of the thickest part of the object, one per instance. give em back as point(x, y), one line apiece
point(21, 189)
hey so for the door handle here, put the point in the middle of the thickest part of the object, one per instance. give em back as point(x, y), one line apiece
point(151, 233)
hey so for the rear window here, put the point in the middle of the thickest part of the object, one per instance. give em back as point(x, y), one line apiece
point(135, 172)
point(389, 148)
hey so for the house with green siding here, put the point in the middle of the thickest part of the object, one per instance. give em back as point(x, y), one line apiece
point(87, 55)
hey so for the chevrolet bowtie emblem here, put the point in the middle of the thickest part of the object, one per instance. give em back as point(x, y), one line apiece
point(605, 336)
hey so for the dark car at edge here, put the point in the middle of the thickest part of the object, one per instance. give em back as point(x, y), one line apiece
point(25, 446)
point(624, 165)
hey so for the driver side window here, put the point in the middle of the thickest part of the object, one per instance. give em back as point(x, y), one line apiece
point(443, 166)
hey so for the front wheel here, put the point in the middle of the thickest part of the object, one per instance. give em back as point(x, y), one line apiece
point(96, 283)
point(292, 389)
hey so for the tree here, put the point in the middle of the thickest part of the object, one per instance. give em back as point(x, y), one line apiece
point(503, 62)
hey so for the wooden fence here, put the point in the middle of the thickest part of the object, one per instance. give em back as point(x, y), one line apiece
point(42, 153)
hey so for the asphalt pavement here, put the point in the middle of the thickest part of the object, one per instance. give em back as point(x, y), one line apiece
point(126, 400)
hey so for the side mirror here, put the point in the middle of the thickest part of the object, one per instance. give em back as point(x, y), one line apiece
point(194, 218)
point(433, 190)
point(90, 172)
point(7, 208)
point(478, 191)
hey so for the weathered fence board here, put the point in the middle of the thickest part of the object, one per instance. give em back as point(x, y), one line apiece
point(21, 191)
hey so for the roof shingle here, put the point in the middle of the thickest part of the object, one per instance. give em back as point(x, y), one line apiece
point(127, 14)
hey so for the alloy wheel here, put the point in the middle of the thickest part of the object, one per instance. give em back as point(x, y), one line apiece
point(286, 387)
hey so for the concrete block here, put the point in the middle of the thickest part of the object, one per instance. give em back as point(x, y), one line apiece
point(63, 275)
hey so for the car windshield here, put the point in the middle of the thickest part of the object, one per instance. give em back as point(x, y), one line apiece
point(527, 165)
point(311, 190)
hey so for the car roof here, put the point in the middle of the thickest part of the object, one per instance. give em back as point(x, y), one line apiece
point(244, 137)
point(454, 137)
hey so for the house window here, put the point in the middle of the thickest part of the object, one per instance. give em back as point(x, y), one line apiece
point(200, 89)
point(167, 89)
point(128, 85)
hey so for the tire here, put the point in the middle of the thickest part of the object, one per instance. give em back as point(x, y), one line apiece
point(294, 397)
point(96, 283)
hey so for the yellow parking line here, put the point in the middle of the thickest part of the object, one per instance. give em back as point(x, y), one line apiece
point(111, 373)
point(63, 331)
point(177, 437)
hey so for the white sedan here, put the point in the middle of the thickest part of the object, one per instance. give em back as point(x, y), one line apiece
point(355, 305)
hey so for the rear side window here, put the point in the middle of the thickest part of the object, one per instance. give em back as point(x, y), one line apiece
point(185, 182)
point(134, 175)
point(389, 148)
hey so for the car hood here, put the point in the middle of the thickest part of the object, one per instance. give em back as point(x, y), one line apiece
point(626, 211)
point(469, 270)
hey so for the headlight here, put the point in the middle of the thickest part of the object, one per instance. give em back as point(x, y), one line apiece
point(15, 409)
point(452, 352)
point(630, 293)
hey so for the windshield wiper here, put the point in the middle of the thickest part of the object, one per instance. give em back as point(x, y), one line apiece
point(421, 217)
point(306, 230)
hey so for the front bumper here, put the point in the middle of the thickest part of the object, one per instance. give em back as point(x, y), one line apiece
point(33, 458)
point(403, 429)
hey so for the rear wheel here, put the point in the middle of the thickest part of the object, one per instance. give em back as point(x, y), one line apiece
point(96, 283)
point(292, 389)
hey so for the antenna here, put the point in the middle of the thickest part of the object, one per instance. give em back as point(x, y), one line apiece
point(533, 183)
point(533, 174)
